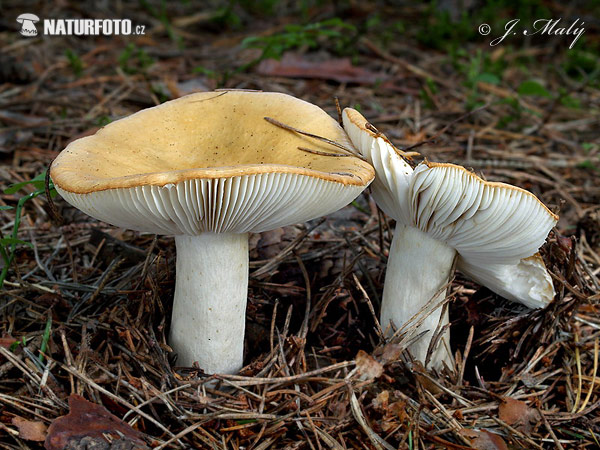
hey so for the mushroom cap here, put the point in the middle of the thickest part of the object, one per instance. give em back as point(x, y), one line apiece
point(527, 281)
point(28, 16)
point(494, 227)
point(211, 162)
point(485, 222)
point(390, 187)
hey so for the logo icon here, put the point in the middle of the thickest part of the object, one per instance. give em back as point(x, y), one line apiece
point(27, 22)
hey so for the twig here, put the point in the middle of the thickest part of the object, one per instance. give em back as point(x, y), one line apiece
point(314, 136)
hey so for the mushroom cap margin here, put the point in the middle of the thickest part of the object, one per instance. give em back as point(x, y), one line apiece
point(486, 222)
point(203, 190)
point(241, 204)
point(208, 135)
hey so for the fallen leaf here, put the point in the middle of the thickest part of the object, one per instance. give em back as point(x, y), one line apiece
point(30, 430)
point(368, 368)
point(7, 341)
point(418, 370)
point(293, 65)
point(381, 401)
point(518, 415)
point(394, 412)
point(391, 353)
point(484, 440)
point(88, 420)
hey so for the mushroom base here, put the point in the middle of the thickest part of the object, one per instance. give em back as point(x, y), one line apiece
point(417, 270)
point(209, 310)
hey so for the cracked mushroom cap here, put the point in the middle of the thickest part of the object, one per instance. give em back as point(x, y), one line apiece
point(494, 227)
point(211, 162)
point(527, 281)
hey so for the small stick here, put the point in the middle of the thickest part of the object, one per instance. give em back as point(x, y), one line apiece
point(579, 384)
point(211, 98)
point(317, 152)
point(378, 329)
point(272, 333)
point(304, 327)
point(461, 371)
point(550, 430)
point(589, 394)
point(305, 133)
point(369, 126)
point(339, 111)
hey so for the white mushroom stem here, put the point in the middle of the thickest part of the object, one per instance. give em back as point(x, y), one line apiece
point(418, 267)
point(209, 311)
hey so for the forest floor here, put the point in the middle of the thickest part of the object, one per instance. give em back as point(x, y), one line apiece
point(85, 306)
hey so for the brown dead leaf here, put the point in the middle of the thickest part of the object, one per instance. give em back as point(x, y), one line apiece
point(87, 419)
point(518, 415)
point(7, 341)
point(293, 65)
point(420, 373)
point(391, 353)
point(381, 401)
point(368, 368)
point(484, 440)
point(30, 430)
point(394, 412)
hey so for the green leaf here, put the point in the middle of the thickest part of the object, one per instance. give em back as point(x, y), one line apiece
point(245, 421)
point(5, 208)
point(587, 164)
point(534, 88)
point(587, 146)
point(14, 241)
point(295, 36)
point(204, 71)
point(487, 77)
point(45, 337)
point(39, 181)
point(571, 102)
point(15, 344)
point(75, 62)
point(102, 121)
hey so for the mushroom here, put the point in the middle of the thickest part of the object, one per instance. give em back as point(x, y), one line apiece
point(443, 212)
point(209, 169)
point(27, 21)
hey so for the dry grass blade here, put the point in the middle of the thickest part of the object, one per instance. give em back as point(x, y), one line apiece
point(314, 291)
point(376, 440)
point(314, 136)
point(593, 382)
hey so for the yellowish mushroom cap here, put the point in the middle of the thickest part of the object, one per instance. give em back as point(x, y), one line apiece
point(211, 162)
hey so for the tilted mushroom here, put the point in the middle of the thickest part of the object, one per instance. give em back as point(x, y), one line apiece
point(442, 212)
point(208, 168)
